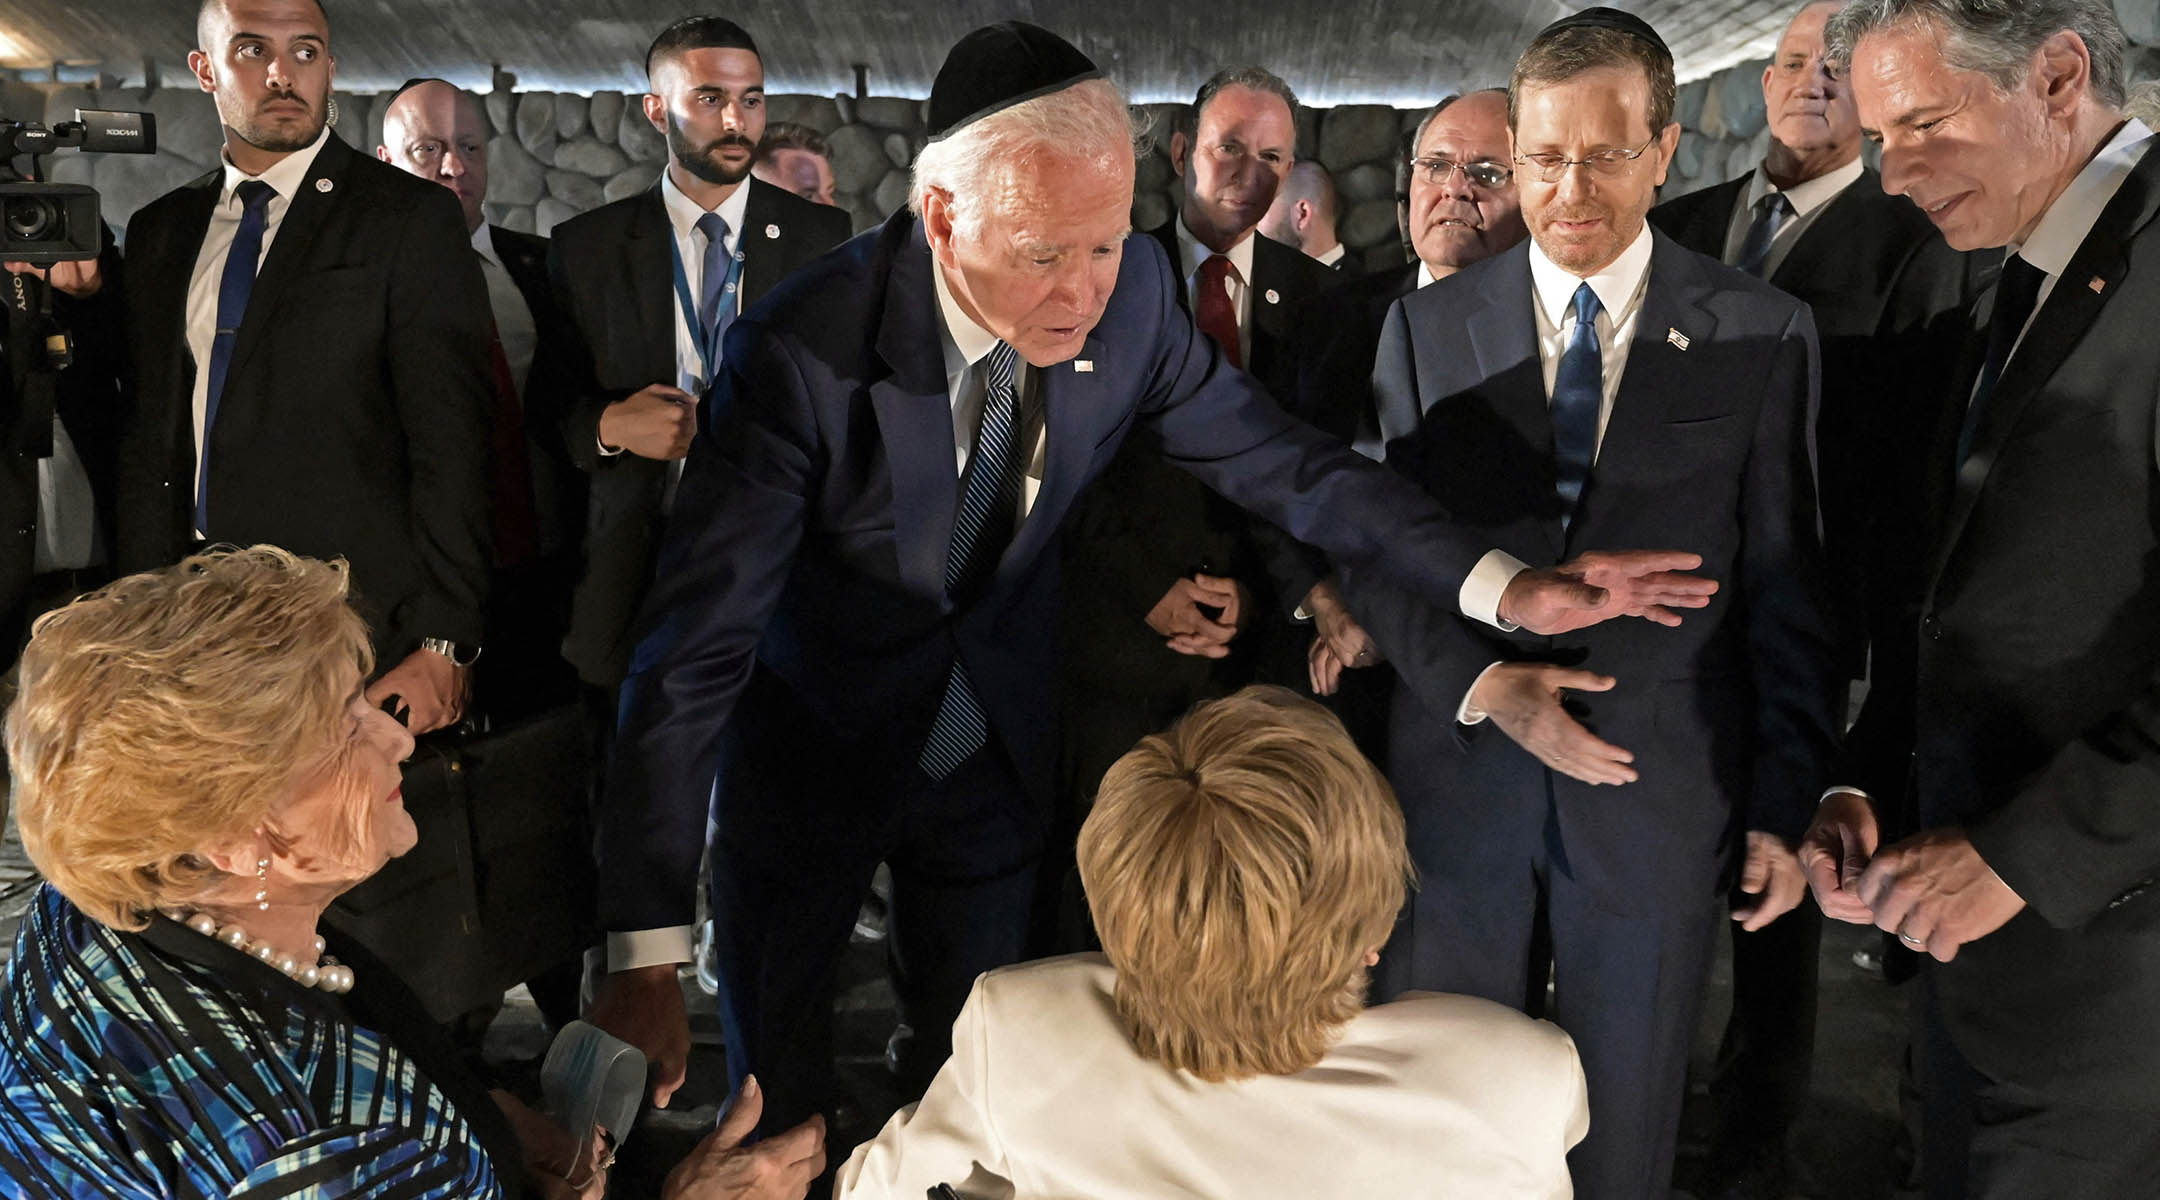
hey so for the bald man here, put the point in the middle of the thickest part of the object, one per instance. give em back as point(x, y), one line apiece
point(1304, 213)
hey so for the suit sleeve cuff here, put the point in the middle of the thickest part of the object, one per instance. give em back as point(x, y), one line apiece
point(1479, 597)
point(1467, 713)
point(650, 947)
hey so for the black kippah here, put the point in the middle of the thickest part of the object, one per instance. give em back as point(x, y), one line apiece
point(1608, 18)
point(999, 66)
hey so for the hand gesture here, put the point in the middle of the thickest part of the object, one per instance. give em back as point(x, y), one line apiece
point(1524, 700)
point(1834, 852)
point(1601, 585)
point(1772, 873)
point(1185, 628)
point(721, 1168)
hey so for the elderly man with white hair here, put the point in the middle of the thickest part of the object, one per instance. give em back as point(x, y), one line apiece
point(849, 622)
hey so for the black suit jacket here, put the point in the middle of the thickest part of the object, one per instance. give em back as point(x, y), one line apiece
point(558, 484)
point(1731, 716)
point(613, 285)
point(2033, 716)
point(1890, 300)
point(801, 607)
point(357, 405)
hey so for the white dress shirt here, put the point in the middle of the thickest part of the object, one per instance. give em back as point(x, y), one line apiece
point(284, 177)
point(1329, 258)
point(1619, 287)
point(1808, 200)
point(1191, 255)
point(682, 215)
point(513, 317)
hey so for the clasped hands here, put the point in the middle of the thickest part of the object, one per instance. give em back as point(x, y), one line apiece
point(1181, 616)
point(1933, 890)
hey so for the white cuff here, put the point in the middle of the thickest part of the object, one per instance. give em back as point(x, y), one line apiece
point(1467, 713)
point(1479, 598)
point(606, 451)
point(650, 947)
point(1842, 790)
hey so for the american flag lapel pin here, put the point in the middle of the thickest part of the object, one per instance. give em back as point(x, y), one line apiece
point(772, 231)
point(1085, 366)
point(1677, 338)
point(2098, 285)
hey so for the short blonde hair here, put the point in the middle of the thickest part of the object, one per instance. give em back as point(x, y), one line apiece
point(170, 710)
point(1239, 867)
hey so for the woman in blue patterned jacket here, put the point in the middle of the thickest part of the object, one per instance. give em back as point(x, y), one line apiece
point(198, 775)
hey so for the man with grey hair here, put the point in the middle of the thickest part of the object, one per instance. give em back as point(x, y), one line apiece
point(847, 627)
point(1304, 215)
point(2002, 815)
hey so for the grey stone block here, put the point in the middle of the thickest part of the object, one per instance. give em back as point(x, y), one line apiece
point(858, 157)
point(589, 156)
point(1712, 120)
point(898, 150)
point(1308, 132)
point(78, 168)
point(519, 219)
point(126, 182)
point(637, 138)
point(1356, 133)
point(606, 115)
point(580, 192)
point(630, 182)
point(845, 106)
point(1742, 98)
point(2140, 21)
point(889, 112)
point(1149, 211)
point(1368, 223)
point(1153, 174)
point(1367, 181)
point(571, 112)
point(1687, 160)
point(1687, 104)
point(892, 191)
point(187, 122)
point(514, 176)
point(549, 213)
point(863, 211)
point(818, 112)
point(502, 111)
point(536, 125)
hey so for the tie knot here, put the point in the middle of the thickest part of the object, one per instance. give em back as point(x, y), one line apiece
point(1774, 204)
point(255, 194)
point(1586, 305)
point(1216, 268)
point(714, 227)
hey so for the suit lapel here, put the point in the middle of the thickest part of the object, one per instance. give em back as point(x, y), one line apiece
point(761, 267)
point(1270, 300)
point(1165, 235)
point(1711, 222)
point(1503, 338)
point(914, 414)
point(305, 214)
point(1837, 231)
point(651, 280)
point(2086, 286)
point(1069, 398)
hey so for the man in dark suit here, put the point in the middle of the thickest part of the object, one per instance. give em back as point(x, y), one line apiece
point(1166, 574)
point(2016, 761)
point(1304, 215)
point(434, 130)
point(848, 621)
point(1603, 386)
point(1889, 300)
point(632, 369)
point(329, 395)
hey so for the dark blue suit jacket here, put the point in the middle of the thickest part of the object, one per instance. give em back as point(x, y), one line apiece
point(802, 573)
point(1708, 449)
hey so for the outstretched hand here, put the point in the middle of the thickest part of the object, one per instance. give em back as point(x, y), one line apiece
point(1601, 585)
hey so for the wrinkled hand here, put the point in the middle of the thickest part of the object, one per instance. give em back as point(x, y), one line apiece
point(1936, 893)
point(1771, 872)
point(1332, 621)
point(551, 1155)
point(1524, 700)
point(1322, 668)
point(644, 1007)
point(722, 1168)
point(1601, 585)
point(655, 422)
point(75, 280)
point(1834, 852)
point(431, 687)
point(1186, 629)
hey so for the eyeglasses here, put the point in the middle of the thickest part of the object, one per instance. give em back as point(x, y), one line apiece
point(1485, 173)
point(1550, 167)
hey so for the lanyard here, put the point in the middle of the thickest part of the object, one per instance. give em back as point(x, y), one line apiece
point(708, 344)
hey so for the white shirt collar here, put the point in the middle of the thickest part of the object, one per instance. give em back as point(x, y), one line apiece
point(1616, 286)
point(964, 339)
point(1809, 195)
point(483, 240)
point(1424, 274)
point(2063, 227)
point(683, 212)
point(1332, 256)
point(284, 176)
point(1191, 253)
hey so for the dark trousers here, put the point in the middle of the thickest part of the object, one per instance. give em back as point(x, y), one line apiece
point(786, 886)
point(1766, 1060)
point(1988, 1139)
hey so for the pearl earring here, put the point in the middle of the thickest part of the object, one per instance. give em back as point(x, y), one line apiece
point(262, 884)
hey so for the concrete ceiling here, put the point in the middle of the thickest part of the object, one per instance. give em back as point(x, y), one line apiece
point(1335, 52)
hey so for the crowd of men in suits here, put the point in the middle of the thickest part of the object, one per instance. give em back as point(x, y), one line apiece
point(880, 551)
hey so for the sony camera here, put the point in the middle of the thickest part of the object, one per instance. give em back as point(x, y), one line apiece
point(46, 223)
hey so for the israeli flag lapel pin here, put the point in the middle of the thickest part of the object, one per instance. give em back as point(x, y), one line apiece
point(1084, 366)
point(1677, 338)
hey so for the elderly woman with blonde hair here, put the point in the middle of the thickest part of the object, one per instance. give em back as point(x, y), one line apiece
point(1243, 870)
point(198, 774)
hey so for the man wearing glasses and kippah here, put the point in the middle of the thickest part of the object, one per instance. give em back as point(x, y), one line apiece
point(1604, 386)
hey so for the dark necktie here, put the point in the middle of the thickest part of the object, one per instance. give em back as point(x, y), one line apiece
point(232, 298)
point(717, 282)
point(1212, 310)
point(510, 477)
point(2016, 292)
point(1770, 214)
point(989, 508)
point(1578, 395)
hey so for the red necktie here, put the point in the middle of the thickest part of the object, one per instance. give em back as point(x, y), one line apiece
point(1212, 310)
point(510, 466)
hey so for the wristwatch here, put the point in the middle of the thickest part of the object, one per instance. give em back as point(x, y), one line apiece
point(459, 655)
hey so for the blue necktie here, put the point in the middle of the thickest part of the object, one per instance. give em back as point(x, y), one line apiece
point(716, 286)
point(2017, 291)
point(1578, 394)
point(232, 298)
point(989, 507)
point(1770, 214)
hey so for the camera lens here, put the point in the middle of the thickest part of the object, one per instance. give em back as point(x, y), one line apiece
point(32, 219)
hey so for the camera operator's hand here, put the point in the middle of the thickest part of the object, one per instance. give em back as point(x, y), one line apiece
point(79, 280)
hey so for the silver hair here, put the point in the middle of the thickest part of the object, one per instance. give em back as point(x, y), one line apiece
point(1086, 120)
point(1994, 37)
point(2143, 102)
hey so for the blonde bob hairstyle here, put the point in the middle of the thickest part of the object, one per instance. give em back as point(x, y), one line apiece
point(1087, 121)
point(171, 710)
point(1239, 868)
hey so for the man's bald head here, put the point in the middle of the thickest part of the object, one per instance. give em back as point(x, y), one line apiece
point(217, 10)
point(436, 130)
point(1305, 207)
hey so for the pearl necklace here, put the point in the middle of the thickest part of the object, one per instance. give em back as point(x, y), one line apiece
point(325, 973)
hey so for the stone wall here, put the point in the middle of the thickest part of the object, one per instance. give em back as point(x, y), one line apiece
point(555, 154)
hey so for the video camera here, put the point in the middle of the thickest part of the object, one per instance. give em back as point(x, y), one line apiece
point(46, 223)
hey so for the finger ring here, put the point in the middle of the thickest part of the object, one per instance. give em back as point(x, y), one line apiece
point(1912, 941)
